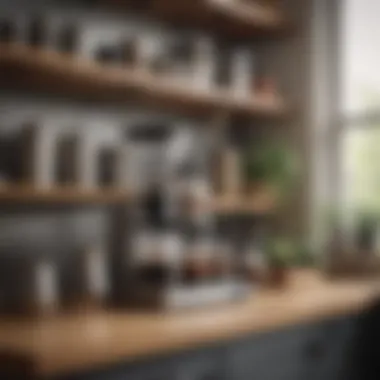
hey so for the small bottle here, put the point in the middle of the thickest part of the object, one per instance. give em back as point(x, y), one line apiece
point(44, 285)
point(266, 88)
point(86, 165)
point(123, 167)
point(242, 74)
point(154, 207)
point(172, 246)
point(37, 32)
point(223, 73)
point(66, 163)
point(38, 151)
point(151, 266)
point(232, 182)
point(204, 64)
point(256, 264)
point(129, 53)
point(7, 31)
point(199, 261)
point(222, 265)
point(107, 168)
point(67, 40)
point(109, 54)
point(92, 271)
point(96, 272)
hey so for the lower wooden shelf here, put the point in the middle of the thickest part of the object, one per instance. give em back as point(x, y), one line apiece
point(28, 194)
point(232, 204)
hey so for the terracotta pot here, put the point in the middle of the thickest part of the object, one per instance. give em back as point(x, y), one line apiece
point(261, 193)
point(278, 276)
point(256, 275)
point(220, 267)
point(257, 188)
point(197, 269)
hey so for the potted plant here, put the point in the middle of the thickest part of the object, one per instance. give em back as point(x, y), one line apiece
point(367, 226)
point(271, 168)
point(303, 256)
point(280, 253)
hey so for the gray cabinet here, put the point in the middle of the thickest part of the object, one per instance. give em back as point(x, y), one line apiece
point(206, 364)
point(159, 369)
point(306, 352)
point(330, 357)
point(276, 356)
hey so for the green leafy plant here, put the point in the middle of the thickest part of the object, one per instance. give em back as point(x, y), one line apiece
point(283, 252)
point(303, 256)
point(280, 252)
point(367, 223)
point(273, 164)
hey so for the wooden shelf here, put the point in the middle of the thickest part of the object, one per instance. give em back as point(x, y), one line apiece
point(257, 205)
point(235, 19)
point(42, 70)
point(26, 194)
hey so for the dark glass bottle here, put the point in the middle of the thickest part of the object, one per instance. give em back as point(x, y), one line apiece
point(107, 166)
point(7, 31)
point(67, 40)
point(37, 32)
point(129, 53)
point(44, 285)
point(108, 54)
point(67, 158)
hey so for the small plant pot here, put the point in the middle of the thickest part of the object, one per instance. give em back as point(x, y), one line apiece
point(197, 270)
point(262, 193)
point(255, 275)
point(278, 276)
point(258, 188)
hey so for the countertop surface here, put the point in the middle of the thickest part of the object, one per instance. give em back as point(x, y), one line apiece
point(68, 343)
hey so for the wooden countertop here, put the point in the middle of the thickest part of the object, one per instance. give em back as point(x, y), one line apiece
point(63, 344)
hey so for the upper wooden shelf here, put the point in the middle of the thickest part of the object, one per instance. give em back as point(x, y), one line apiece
point(44, 70)
point(235, 18)
point(27, 194)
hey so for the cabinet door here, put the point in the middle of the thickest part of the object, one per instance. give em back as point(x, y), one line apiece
point(329, 359)
point(147, 370)
point(206, 364)
point(275, 356)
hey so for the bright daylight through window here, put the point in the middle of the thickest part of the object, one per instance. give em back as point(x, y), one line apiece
point(360, 104)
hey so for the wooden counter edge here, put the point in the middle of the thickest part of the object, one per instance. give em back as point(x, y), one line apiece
point(41, 367)
point(146, 352)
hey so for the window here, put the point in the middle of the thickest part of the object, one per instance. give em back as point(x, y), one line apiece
point(359, 105)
